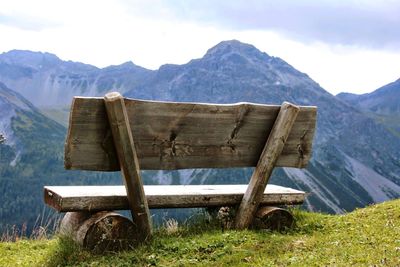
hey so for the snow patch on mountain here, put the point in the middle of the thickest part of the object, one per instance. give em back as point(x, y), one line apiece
point(15, 160)
point(5, 124)
point(10, 102)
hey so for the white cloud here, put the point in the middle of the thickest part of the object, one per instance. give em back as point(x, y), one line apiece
point(105, 32)
point(337, 68)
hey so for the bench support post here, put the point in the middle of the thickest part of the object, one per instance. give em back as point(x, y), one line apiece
point(270, 154)
point(125, 147)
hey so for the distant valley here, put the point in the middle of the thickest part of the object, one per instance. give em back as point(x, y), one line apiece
point(356, 151)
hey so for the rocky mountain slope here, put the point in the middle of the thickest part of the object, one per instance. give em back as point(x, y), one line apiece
point(356, 161)
point(384, 100)
point(382, 104)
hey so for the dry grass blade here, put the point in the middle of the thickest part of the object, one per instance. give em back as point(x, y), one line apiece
point(45, 226)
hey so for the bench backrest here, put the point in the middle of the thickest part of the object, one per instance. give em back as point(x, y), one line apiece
point(171, 135)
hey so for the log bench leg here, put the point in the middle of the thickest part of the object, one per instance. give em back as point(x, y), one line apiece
point(101, 231)
point(272, 218)
point(266, 218)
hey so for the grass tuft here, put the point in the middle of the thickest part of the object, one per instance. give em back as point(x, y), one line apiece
point(45, 226)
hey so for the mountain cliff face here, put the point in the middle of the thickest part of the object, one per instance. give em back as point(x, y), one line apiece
point(356, 161)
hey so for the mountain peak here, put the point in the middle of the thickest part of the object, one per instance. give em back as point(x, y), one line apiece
point(129, 66)
point(29, 58)
point(229, 47)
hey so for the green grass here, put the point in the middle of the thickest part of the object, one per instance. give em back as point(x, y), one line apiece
point(365, 237)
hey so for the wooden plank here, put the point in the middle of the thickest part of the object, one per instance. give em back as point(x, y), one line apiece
point(273, 148)
point(184, 135)
point(95, 198)
point(129, 164)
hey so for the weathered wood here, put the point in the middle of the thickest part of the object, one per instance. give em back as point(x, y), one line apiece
point(72, 221)
point(272, 218)
point(270, 154)
point(100, 232)
point(128, 161)
point(94, 198)
point(184, 135)
point(114, 134)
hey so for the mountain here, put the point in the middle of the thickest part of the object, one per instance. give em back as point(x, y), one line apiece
point(30, 157)
point(230, 71)
point(356, 160)
point(31, 146)
point(383, 101)
point(47, 81)
point(382, 104)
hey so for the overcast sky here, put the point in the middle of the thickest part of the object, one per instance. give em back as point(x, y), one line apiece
point(344, 45)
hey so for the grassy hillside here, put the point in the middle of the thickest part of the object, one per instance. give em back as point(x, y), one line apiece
point(365, 237)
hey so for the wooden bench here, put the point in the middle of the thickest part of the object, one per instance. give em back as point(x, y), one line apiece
point(128, 135)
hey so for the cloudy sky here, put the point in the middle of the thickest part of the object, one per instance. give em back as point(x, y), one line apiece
point(344, 45)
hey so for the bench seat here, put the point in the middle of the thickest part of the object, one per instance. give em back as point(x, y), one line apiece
point(98, 198)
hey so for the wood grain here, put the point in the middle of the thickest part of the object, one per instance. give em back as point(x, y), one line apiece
point(171, 135)
point(272, 218)
point(100, 232)
point(128, 161)
point(266, 164)
point(95, 198)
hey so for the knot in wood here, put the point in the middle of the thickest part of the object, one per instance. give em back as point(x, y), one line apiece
point(300, 150)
